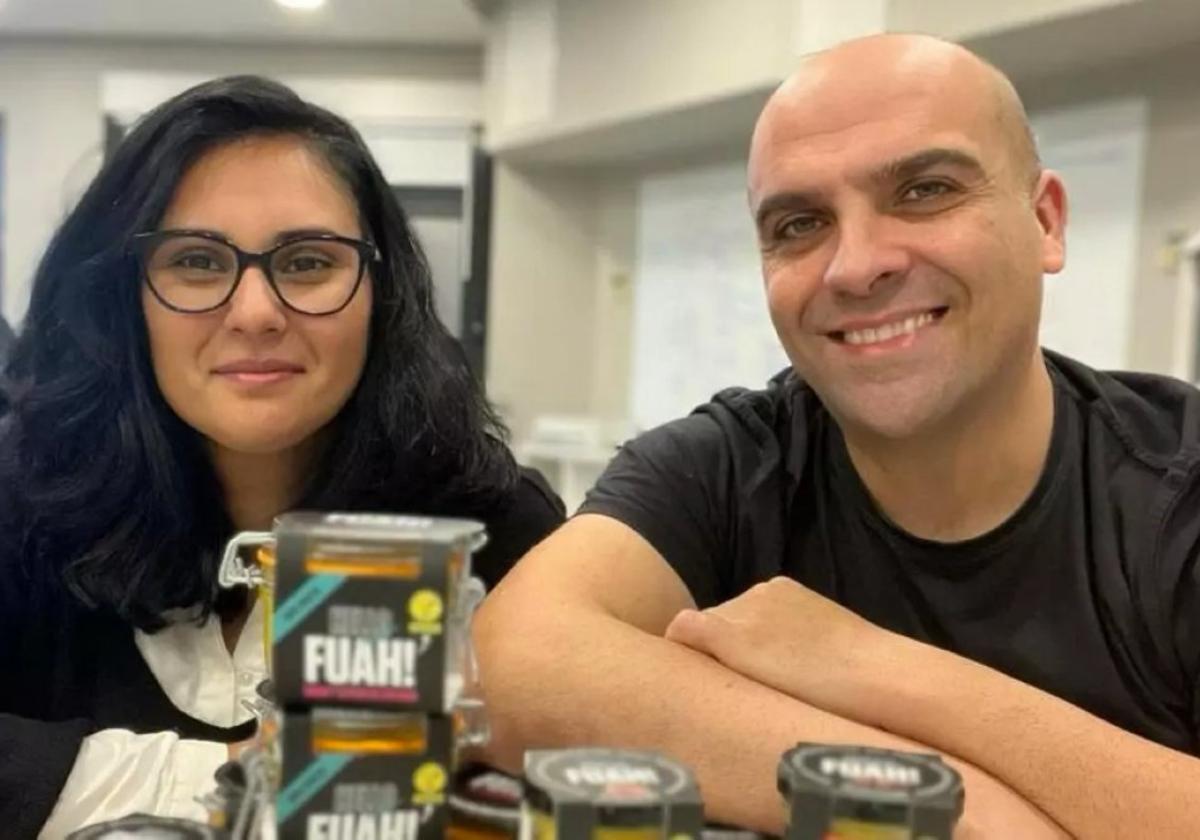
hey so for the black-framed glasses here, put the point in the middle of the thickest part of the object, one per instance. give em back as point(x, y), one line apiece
point(198, 271)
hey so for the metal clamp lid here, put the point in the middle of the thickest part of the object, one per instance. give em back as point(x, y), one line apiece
point(233, 572)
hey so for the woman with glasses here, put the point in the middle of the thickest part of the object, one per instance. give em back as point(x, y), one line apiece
point(234, 321)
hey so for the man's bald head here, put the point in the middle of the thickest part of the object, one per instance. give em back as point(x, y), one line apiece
point(858, 69)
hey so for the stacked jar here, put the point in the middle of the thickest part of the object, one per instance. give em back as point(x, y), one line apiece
point(367, 628)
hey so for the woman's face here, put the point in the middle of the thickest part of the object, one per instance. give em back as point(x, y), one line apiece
point(254, 376)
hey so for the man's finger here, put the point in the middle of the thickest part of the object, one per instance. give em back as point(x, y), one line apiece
point(691, 628)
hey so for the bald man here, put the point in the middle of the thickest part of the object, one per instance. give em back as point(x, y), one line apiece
point(928, 534)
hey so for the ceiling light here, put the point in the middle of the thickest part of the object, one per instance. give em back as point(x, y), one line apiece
point(302, 5)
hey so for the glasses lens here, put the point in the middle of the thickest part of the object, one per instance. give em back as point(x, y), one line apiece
point(191, 273)
point(316, 275)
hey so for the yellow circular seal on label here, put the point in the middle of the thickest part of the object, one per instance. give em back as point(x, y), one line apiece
point(429, 778)
point(425, 605)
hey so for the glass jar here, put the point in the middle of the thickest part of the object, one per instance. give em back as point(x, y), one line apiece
point(839, 792)
point(152, 828)
point(606, 794)
point(258, 576)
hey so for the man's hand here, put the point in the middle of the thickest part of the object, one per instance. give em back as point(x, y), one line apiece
point(786, 636)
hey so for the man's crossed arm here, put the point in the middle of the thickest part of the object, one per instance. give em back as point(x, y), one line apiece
point(1093, 778)
point(572, 652)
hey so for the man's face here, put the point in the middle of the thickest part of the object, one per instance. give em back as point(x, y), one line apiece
point(903, 245)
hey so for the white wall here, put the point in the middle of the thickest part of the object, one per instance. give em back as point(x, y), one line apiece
point(616, 253)
point(573, 66)
point(1170, 199)
point(542, 298)
point(560, 63)
point(52, 129)
point(624, 56)
point(520, 64)
point(364, 99)
point(956, 19)
point(819, 25)
point(52, 96)
point(1099, 150)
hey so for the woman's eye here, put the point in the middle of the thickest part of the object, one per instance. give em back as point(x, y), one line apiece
point(302, 263)
point(925, 190)
point(198, 262)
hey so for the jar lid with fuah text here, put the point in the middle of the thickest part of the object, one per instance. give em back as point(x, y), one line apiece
point(837, 792)
point(606, 794)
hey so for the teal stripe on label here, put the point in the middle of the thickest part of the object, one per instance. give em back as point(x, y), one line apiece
point(307, 597)
point(305, 786)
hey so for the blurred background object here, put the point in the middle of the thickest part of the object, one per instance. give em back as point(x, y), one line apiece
point(6, 340)
point(575, 167)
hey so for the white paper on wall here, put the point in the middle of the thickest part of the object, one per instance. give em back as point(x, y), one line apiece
point(1098, 149)
point(700, 314)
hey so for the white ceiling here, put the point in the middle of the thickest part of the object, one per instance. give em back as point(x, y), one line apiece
point(342, 21)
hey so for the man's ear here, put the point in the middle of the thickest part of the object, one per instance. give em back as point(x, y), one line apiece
point(1050, 207)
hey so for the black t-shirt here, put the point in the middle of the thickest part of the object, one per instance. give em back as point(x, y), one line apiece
point(1090, 590)
point(66, 671)
point(6, 340)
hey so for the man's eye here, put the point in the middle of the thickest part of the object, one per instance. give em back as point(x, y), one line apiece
point(798, 227)
point(924, 190)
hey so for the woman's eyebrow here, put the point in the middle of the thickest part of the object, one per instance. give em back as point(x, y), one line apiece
point(300, 233)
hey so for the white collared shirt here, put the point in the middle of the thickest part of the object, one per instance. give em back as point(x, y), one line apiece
point(118, 772)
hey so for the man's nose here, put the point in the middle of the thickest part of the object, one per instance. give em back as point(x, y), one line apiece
point(867, 252)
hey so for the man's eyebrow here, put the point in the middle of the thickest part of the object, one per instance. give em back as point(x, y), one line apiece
point(908, 166)
point(900, 169)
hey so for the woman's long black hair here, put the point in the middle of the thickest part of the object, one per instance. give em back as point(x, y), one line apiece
point(108, 491)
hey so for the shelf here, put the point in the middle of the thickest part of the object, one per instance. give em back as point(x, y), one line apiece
point(635, 139)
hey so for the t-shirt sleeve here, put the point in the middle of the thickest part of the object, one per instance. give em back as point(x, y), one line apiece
point(1185, 611)
point(670, 485)
point(532, 514)
point(1176, 585)
point(1188, 632)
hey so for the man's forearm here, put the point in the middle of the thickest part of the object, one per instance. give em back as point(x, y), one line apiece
point(576, 678)
point(1096, 779)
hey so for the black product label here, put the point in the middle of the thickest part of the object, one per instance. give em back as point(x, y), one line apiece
point(357, 638)
point(391, 825)
point(604, 774)
point(330, 795)
point(355, 668)
point(869, 771)
point(616, 781)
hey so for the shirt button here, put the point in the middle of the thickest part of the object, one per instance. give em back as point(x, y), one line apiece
point(245, 678)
